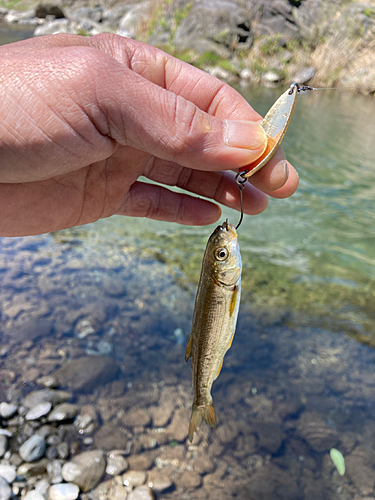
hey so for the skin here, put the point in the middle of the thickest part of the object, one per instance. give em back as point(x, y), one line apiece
point(83, 118)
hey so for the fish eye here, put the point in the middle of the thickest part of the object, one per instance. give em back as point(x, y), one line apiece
point(221, 254)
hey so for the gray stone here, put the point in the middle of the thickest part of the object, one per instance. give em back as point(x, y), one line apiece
point(85, 470)
point(129, 24)
point(63, 491)
point(141, 493)
point(38, 411)
point(116, 464)
point(7, 410)
point(3, 445)
point(87, 373)
point(215, 22)
point(33, 449)
point(63, 450)
point(45, 395)
point(33, 495)
point(64, 411)
point(304, 75)
point(42, 487)
point(14, 16)
point(271, 78)
point(8, 472)
point(5, 489)
point(110, 436)
point(54, 27)
point(54, 469)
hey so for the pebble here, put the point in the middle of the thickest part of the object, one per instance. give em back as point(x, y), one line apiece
point(38, 411)
point(141, 493)
point(54, 469)
point(34, 469)
point(158, 481)
point(3, 445)
point(33, 449)
point(34, 495)
point(116, 464)
point(49, 382)
point(85, 470)
point(63, 450)
point(42, 487)
point(134, 478)
point(64, 411)
point(8, 472)
point(5, 490)
point(63, 491)
point(7, 410)
point(45, 395)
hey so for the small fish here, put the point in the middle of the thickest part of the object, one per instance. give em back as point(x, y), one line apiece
point(214, 319)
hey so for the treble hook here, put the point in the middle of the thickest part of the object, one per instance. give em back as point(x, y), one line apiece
point(240, 179)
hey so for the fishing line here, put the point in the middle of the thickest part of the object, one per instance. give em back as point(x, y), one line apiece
point(241, 185)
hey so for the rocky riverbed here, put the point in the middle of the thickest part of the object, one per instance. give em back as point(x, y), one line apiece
point(95, 396)
point(268, 42)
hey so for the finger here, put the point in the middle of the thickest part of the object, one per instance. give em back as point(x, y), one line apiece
point(276, 174)
point(205, 91)
point(219, 186)
point(158, 203)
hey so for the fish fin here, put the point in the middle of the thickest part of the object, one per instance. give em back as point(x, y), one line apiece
point(188, 348)
point(233, 301)
point(198, 413)
point(231, 340)
point(219, 370)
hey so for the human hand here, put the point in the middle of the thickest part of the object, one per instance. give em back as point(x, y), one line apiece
point(84, 118)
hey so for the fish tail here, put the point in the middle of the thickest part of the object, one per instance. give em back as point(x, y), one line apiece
point(199, 413)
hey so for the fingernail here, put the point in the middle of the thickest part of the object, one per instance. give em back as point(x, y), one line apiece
point(244, 134)
point(279, 175)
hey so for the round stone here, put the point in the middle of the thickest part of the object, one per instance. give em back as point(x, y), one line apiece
point(8, 472)
point(141, 493)
point(5, 490)
point(33, 449)
point(85, 470)
point(7, 410)
point(63, 491)
point(34, 495)
point(116, 464)
point(134, 478)
point(38, 411)
point(64, 411)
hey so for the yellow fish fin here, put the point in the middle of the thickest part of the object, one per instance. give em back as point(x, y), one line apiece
point(219, 370)
point(198, 413)
point(188, 348)
point(233, 300)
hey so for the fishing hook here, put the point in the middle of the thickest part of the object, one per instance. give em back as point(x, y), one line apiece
point(240, 179)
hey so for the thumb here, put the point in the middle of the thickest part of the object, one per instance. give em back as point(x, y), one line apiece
point(155, 120)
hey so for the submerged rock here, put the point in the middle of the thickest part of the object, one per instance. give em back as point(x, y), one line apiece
point(33, 449)
point(38, 411)
point(5, 489)
point(64, 411)
point(63, 491)
point(317, 434)
point(7, 410)
point(85, 374)
point(85, 470)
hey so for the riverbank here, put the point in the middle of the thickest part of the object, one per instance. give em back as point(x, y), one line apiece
point(254, 43)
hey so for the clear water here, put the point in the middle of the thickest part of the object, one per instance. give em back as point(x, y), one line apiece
point(306, 328)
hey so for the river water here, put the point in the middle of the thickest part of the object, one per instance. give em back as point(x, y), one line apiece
point(300, 377)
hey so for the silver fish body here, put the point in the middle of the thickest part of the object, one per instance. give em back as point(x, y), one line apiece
point(214, 320)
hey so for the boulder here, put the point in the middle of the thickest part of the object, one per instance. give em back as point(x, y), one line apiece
point(214, 23)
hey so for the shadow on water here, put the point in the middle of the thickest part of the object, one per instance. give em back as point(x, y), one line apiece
point(107, 308)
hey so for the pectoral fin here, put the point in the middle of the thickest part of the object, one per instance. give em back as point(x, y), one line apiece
point(233, 301)
point(188, 348)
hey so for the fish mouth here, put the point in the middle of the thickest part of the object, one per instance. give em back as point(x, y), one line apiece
point(230, 228)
